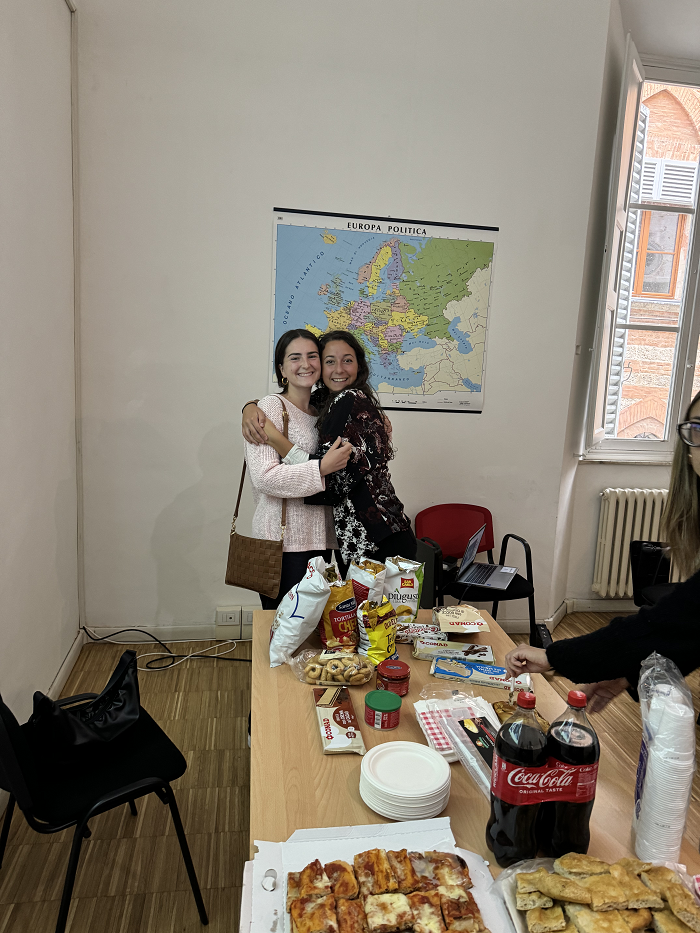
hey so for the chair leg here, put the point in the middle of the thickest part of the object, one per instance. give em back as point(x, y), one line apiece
point(132, 807)
point(6, 827)
point(540, 636)
point(494, 611)
point(71, 872)
point(186, 857)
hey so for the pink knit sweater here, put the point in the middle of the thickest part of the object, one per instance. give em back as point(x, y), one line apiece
point(309, 527)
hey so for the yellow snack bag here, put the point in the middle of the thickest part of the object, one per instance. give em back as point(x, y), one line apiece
point(376, 629)
point(338, 625)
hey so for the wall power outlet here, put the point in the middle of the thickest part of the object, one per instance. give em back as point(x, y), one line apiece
point(247, 622)
point(228, 622)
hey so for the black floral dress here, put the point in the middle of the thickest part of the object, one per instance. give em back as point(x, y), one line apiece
point(366, 508)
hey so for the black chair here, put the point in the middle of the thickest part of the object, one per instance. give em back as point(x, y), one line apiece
point(56, 792)
point(651, 572)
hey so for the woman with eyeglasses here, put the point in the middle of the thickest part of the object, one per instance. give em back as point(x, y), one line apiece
point(608, 661)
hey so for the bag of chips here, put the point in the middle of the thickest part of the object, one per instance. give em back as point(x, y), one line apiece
point(376, 628)
point(338, 625)
point(367, 579)
point(403, 584)
point(298, 613)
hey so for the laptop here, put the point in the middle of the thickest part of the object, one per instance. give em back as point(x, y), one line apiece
point(470, 573)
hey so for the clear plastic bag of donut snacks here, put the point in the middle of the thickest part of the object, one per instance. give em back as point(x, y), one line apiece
point(331, 667)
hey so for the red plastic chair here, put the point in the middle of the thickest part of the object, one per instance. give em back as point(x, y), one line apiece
point(448, 528)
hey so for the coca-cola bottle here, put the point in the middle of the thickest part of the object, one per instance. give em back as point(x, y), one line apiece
point(519, 761)
point(573, 751)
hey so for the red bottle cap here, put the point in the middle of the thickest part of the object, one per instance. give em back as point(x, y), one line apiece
point(578, 699)
point(393, 670)
point(527, 700)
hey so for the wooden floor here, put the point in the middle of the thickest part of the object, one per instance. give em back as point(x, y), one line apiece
point(131, 878)
point(620, 722)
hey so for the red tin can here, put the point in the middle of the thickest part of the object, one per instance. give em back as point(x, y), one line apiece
point(382, 709)
point(394, 676)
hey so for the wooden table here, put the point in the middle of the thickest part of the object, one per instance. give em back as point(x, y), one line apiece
point(293, 785)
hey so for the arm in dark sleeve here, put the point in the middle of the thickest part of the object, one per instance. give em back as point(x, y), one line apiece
point(345, 419)
point(671, 628)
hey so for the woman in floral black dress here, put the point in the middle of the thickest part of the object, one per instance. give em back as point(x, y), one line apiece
point(369, 517)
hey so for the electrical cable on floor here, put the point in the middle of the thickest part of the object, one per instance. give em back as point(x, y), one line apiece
point(168, 655)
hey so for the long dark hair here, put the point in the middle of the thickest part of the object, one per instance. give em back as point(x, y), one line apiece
point(281, 350)
point(362, 382)
point(680, 523)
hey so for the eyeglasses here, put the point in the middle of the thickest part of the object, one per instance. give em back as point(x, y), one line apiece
point(689, 433)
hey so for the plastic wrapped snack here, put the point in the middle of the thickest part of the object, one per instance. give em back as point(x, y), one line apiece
point(403, 584)
point(376, 628)
point(338, 625)
point(298, 613)
point(367, 579)
point(328, 667)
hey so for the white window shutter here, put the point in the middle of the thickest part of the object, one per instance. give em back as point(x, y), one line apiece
point(677, 182)
point(649, 176)
point(625, 163)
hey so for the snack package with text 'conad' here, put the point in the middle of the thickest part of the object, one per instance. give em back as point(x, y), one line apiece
point(403, 584)
point(298, 613)
point(338, 625)
point(367, 579)
point(376, 628)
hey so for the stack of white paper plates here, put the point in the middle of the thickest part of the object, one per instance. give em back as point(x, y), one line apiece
point(405, 781)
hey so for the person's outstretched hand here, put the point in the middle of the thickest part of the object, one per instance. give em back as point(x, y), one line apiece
point(527, 660)
point(253, 425)
point(600, 694)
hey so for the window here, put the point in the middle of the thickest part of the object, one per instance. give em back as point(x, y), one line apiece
point(646, 359)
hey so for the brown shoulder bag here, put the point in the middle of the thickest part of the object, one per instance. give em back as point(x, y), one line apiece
point(256, 563)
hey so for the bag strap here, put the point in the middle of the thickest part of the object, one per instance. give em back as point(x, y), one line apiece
point(283, 523)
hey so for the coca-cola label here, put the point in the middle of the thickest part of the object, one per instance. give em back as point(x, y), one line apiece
point(556, 780)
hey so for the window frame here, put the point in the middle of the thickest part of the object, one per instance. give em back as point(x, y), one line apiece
point(641, 257)
point(597, 445)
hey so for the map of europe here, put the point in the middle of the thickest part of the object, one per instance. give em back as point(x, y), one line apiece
point(415, 295)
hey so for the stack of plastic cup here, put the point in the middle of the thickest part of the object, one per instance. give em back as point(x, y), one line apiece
point(663, 807)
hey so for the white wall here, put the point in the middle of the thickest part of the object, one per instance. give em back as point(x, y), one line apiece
point(38, 572)
point(193, 124)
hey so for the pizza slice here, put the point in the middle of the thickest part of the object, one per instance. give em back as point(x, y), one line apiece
point(351, 916)
point(342, 879)
point(373, 873)
point(459, 910)
point(314, 914)
point(449, 869)
point(388, 913)
point(292, 887)
point(425, 871)
point(427, 913)
point(313, 881)
point(403, 870)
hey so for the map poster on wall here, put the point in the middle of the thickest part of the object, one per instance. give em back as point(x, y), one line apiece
point(416, 295)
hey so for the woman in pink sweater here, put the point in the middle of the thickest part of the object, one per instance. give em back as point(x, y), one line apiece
point(309, 530)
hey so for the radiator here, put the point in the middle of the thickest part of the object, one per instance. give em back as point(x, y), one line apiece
point(625, 515)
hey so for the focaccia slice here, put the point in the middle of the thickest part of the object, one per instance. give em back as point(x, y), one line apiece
point(427, 914)
point(459, 910)
point(683, 905)
point(403, 870)
point(563, 889)
point(292, 887)
point(314, 914)
point(606, 893)
point(387, 913)
point(351, 916)
point(638, 894)
point(373, 873)
point(575, 865)
point(313, 881)
point(665, 921)
point(531, 900)
point(658, 878)
point(636, 919)
point(449, 869)
point(342, 879)
point(595, 921)
point(541, 920)
point(527, 882)
point(633, 865)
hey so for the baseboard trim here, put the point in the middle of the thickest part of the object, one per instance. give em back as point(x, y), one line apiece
point(600, 605)
point(202, 632)
point(64, 670)
point(557, 616)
